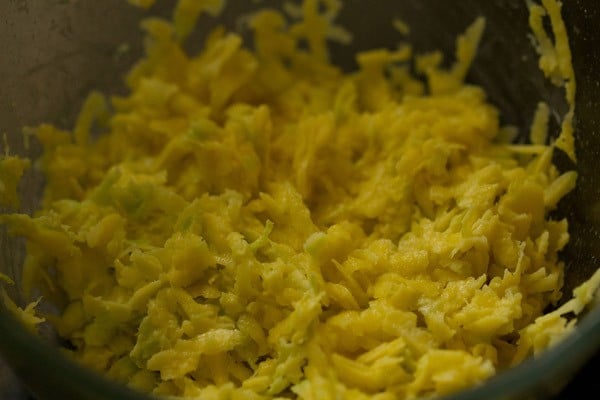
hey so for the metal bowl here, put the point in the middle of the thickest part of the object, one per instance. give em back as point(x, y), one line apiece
point(54, 52)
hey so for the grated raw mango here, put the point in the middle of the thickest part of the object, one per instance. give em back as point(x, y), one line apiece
point(259, 224)
point(11, 172)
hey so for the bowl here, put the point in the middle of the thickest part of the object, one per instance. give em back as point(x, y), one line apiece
point(55, 52)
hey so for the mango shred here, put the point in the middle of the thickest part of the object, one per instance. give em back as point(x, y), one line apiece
point(259, 224)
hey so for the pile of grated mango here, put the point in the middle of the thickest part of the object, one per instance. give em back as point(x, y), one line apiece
point(260, 224)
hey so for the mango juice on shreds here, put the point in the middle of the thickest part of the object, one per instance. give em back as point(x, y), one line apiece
point(258, 224)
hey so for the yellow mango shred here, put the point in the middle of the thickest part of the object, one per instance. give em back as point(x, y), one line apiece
point(12, 169)
point(259, 224)
point(6, 279)
point(555, 62)
point(28, 316)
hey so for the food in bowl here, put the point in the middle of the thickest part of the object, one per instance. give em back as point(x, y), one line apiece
point(260, 224)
